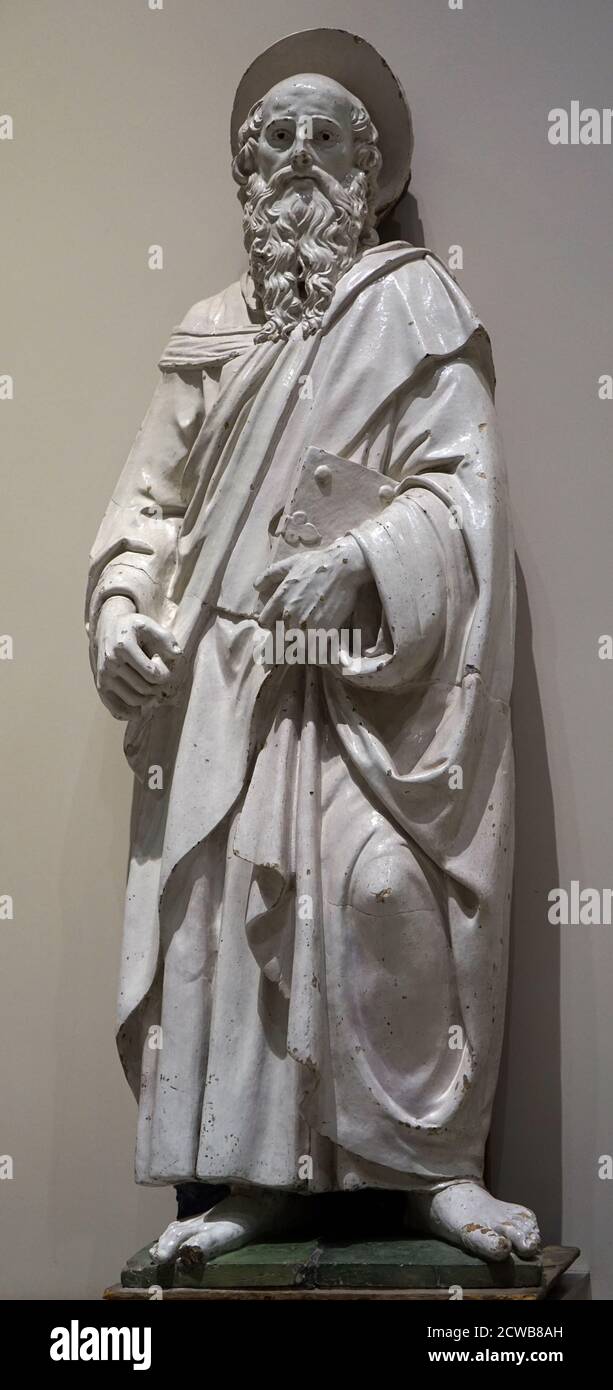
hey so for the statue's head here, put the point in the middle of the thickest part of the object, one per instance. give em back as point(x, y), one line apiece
point(322, 140)
point(307, 165)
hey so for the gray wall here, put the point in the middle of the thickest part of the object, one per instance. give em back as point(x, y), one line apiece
point(121, 117)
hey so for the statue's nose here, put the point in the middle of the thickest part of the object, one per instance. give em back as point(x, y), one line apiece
point(301, 158)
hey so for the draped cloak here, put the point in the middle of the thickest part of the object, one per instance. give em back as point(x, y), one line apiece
point(255, 982)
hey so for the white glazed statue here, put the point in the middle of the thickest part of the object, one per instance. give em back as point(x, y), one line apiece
point(314, 968)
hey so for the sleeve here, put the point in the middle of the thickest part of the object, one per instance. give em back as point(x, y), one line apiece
point(135, 550)
point(420, 550)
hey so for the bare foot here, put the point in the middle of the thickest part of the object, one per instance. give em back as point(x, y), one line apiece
point(227, 1226)
point(467, 1215)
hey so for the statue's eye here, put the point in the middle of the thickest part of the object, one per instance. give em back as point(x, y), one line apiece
point(280, 137)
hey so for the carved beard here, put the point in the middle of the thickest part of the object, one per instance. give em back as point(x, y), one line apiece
point(300, 242)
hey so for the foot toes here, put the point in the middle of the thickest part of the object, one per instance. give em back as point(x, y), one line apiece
point(523, 1231)
point(174, 1235)
point(192, 1254)
point(486, 1242)
point(526, 1244)
point(206, 1244)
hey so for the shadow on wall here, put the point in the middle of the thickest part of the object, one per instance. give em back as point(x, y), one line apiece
point(524, 1152)
point(403, 223)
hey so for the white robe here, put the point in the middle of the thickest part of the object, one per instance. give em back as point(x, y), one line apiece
point(318, 897)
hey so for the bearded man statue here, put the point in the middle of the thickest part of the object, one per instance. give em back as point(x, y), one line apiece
point(314, 966)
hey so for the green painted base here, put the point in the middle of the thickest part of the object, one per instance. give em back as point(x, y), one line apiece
point(413, 1263)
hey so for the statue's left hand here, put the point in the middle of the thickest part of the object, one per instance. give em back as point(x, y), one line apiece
point(317, 588)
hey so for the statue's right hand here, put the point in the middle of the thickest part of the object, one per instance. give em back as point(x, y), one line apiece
point(135, 659)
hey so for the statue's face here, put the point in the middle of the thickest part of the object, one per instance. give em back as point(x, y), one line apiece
point(306, 124)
